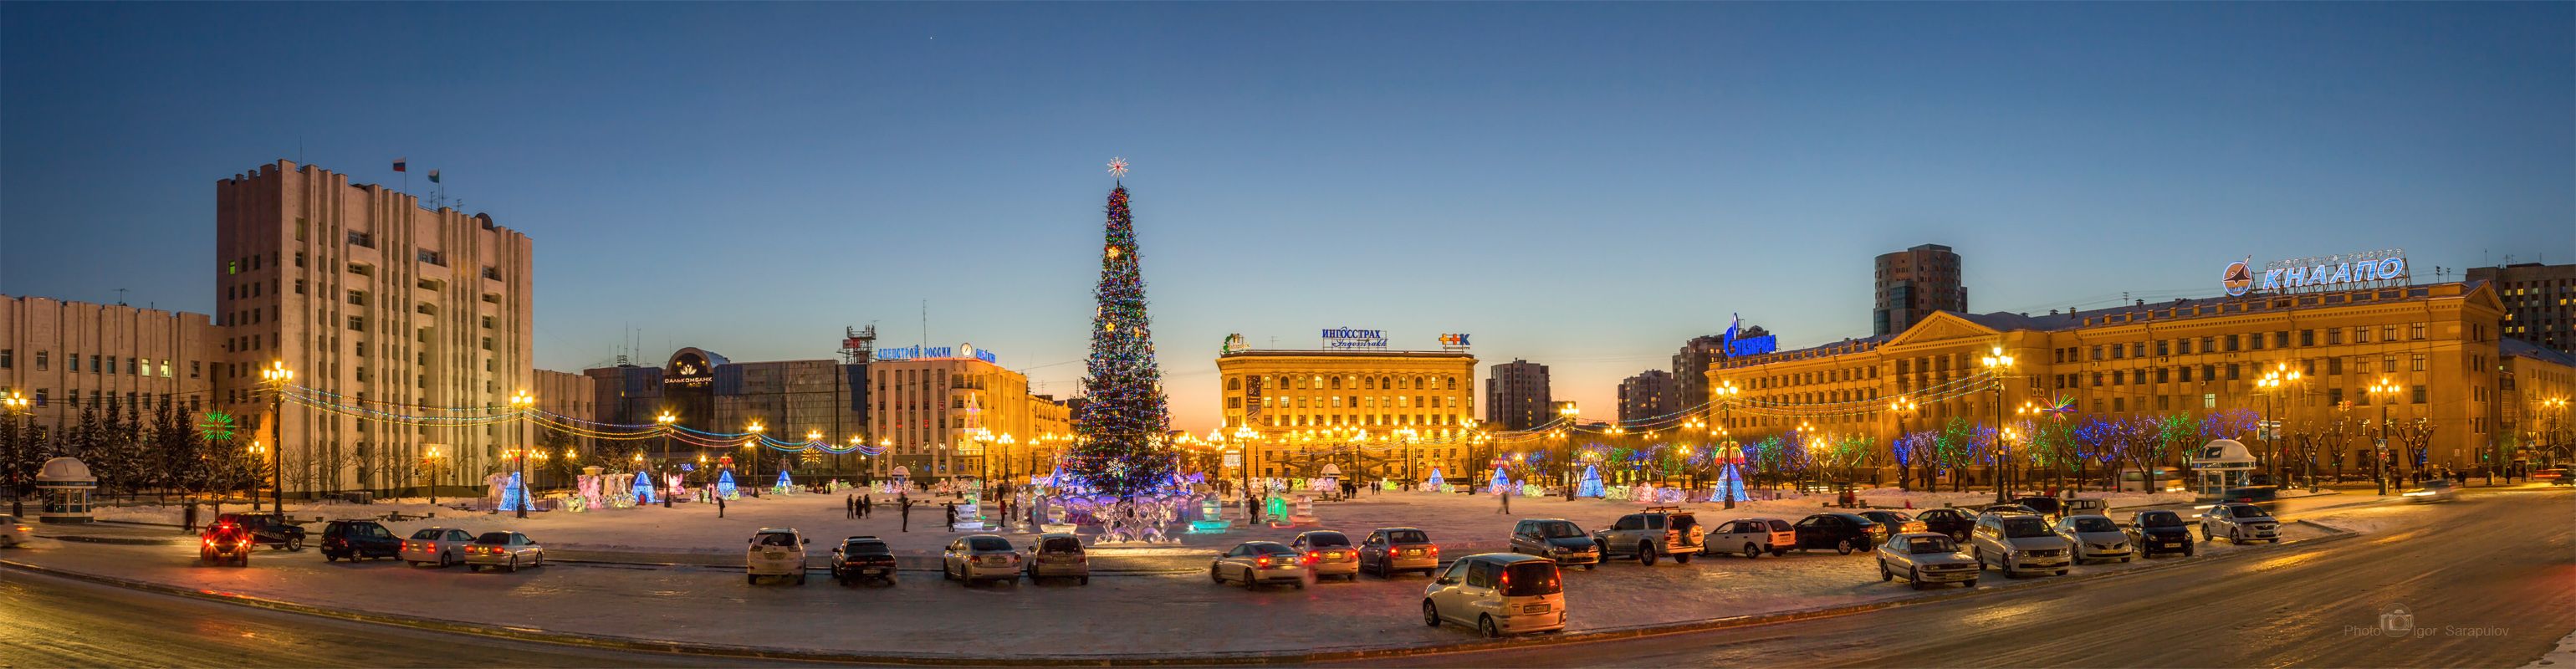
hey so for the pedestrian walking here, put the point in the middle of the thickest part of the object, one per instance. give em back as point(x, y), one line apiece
point(907, 513)
point(1507, 501)
point(864, 503)
point(720, 506)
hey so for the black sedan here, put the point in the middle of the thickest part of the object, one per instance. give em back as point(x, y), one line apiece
point(1952, 522)
point(1845, 533)
point(2159, 532)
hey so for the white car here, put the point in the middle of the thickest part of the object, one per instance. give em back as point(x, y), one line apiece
point(1925, 558)
point(1256, 562)
point(504, 549)
point(2019, 543)
point(1498, 594)
point(980, 557)
point(14, 532)
point(2096, 538)
point(2433, 491)
point(440, 546)
point(775, 551)
point(1752, 537)
point(2239, 522)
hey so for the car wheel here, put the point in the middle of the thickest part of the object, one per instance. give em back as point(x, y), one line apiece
point(1971, 582)
point(2186, 551)
point(1215, 576)
point(1430, 614)
point(1752, 552)
point(753, 579)
point(1681, 558)
point(1646, 554)
point(514, 564)
point(1301, 584)
point(327, 557)
point(1883, 574)
point(1843, 547)
point(1981, 558)
point(294, 544)
point(1778, 552)
point(2009, 573)
point(2061, 572)
point(474, 568)
point(1485, 627)
point(2204, 534)
point(2235, 537)
point(1248, 582)
point(1915, 578)
point(1086, 580)
point(541, 560)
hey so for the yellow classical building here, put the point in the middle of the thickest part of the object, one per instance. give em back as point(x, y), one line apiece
point(2432, 350)
point(1396, 414)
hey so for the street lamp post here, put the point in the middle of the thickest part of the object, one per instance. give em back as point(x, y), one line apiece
point(1902, 407)
point(435, 469)
point(2273, 384)
point(16, 404)
point(1569, 414)
point(2383, 391)
point(667, 421)
point(277, 377)
point(754, 444)
point(521, 402)
point(1998, 364)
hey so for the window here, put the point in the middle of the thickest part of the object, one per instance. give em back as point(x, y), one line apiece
point(2419, 394)
point(2361, 335)
point(2334, 336)
point(2415, 331)
point(2280, 339)
point(2388, 363)
point(2233, 341)
point(8, 357)
point(2097, 379)
point(2307, 337)
point(2334, 397)
point(2417, 363)
point(2334, 365)
point(2232, 371)
point(2388, 333)
point(93, 363)
point(431, 257)
point(2163, 348)
point(358, 323)
point(357, 238)
point(2116, 351)
point(2258, 341)
point(40, 359)
point(2097, 352)
point(2138, 349)
point(358, 298)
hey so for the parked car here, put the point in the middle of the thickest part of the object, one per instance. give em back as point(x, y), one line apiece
point(1843, 532)
point(2042, 504)
point(1328, 553)
point(1556, 539)
point(775, 551)
point(2436, 490)
point(1656, 532)
point(2087, 506)
point(2007, 508)
point(226, 542)
point(441, 546)
point(1257, 562)
point(2019, 543)
point(1392, 549)
point(1925, 558)
point(2239, 522)
point(2159, 532)
point(1953, 522)
point(357, 540)
point(1753, 537)
point(2095, 538)
point(1896, 521)
point(2554, 476)
point(1059, 555)
point(980, 557)
point(14, 532)
point(860, 557)
point(504, 549)
point(268, 529)
point(1498, 594)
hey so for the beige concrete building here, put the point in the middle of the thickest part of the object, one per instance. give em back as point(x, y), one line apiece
point(2539, 387)
point(1354, 408)
point(948, 413)
point(369, 297)
point(67, 356)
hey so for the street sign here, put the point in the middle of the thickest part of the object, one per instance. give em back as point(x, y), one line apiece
point(1233, 459)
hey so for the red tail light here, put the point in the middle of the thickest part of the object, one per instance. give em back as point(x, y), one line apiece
point(1435, 549)
point(1262, 562)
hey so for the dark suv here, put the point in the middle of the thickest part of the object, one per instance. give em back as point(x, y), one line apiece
point(358, 539)
point(267, 528)
point(1953, 522)
point(863, 556)
point(1843, 532)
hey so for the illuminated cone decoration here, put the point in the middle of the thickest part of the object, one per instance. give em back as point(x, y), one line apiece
point(1122, 424)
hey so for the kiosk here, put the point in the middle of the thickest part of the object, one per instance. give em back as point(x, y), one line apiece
point(2219, 466)
point(65, 486)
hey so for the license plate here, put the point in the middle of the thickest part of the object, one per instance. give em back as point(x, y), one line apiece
point(773, 555)
point(1413, 552)
point(1535, 608)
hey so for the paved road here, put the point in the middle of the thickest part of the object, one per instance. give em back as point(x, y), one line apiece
point(2486, 582)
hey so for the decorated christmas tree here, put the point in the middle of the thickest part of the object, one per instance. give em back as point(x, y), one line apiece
point(1120, 451)
point(1591, 483)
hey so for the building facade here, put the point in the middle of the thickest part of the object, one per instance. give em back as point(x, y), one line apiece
point(67, 357)
point(1914, 283)
point(1396, 414)
point(2539, 302)
point(373, 299)
point(2437, 343)
point(1650, 394)
point(2538, 386)
point(1516, 396)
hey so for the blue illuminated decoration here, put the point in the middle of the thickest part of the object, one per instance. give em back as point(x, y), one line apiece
point(724, 484)
point(934, 352)
point(1349, 338)
point(1591, 486)
point(1736, 348)
point(515, 497)
point(644, 489)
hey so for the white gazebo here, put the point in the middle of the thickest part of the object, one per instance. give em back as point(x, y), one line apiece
point(65, 484)
point(2219, 466)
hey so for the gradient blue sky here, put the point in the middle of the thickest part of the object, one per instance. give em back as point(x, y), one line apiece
point(1584, 185)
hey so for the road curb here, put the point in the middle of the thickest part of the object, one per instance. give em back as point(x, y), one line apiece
point(124, 541)
point(613, 642)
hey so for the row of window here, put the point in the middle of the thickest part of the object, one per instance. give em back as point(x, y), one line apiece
point(1358, 420)
point(99, 398)
point(99, 364)
point(1356, 381)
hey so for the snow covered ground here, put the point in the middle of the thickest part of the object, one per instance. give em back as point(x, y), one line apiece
point(1458, 522)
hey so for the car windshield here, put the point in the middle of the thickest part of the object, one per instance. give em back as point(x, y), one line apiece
point(1408, 537)
point(1061, 545)
point(1559, 530)
point(1273, 549)
point(2160, 519)
point(1327, 540)
point(2248, 511)
point(1530, 577)
point(493, 538)
point(1889, 517)
point(2093, 524)
point(777, 539)
point(865, 547)
point(2025, 527)
point(1926, 545)
point(431, 533)
point(988, 544)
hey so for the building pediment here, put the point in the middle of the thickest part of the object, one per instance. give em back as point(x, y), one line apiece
point(1942, 326)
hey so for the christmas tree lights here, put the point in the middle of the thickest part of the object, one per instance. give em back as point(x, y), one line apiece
point(1120, 450)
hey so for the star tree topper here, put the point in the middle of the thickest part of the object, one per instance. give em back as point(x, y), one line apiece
point(1117, 167)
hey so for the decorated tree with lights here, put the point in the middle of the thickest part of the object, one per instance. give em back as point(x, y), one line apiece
point(1121, 426)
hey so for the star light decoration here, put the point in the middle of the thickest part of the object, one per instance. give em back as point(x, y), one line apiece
point(1118, 167)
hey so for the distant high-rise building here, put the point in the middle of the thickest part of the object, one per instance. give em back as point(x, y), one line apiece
point(2539, 302)
point(1690, 367)
point(1913, 283)
point(1516, 396)
point(1650, 394)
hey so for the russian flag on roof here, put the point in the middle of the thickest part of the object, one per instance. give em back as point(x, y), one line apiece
point(400, 163)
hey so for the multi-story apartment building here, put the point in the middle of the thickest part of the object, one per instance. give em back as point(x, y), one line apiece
point(374, 300)
point(1396, 414)
point(2539, 302)
point(1516, 396)
point(2437, 343)
point(2539, 388)
point(1914, 283)
point(952, 411)
point(67, 357)
point(1650, 394)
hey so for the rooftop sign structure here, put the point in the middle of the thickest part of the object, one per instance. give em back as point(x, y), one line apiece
point(959, 351)
point(1360, 339)
point(2335, 272)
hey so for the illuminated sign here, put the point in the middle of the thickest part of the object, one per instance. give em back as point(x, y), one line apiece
point(1453, 342)
point(934, 352)
point(2352, 270)
point(1349, 338)
point(1737, 348)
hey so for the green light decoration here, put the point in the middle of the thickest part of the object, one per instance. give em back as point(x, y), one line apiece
point(218, 426)
point(1121, 450)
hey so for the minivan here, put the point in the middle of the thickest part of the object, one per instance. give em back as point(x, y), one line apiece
point(1498, 594)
